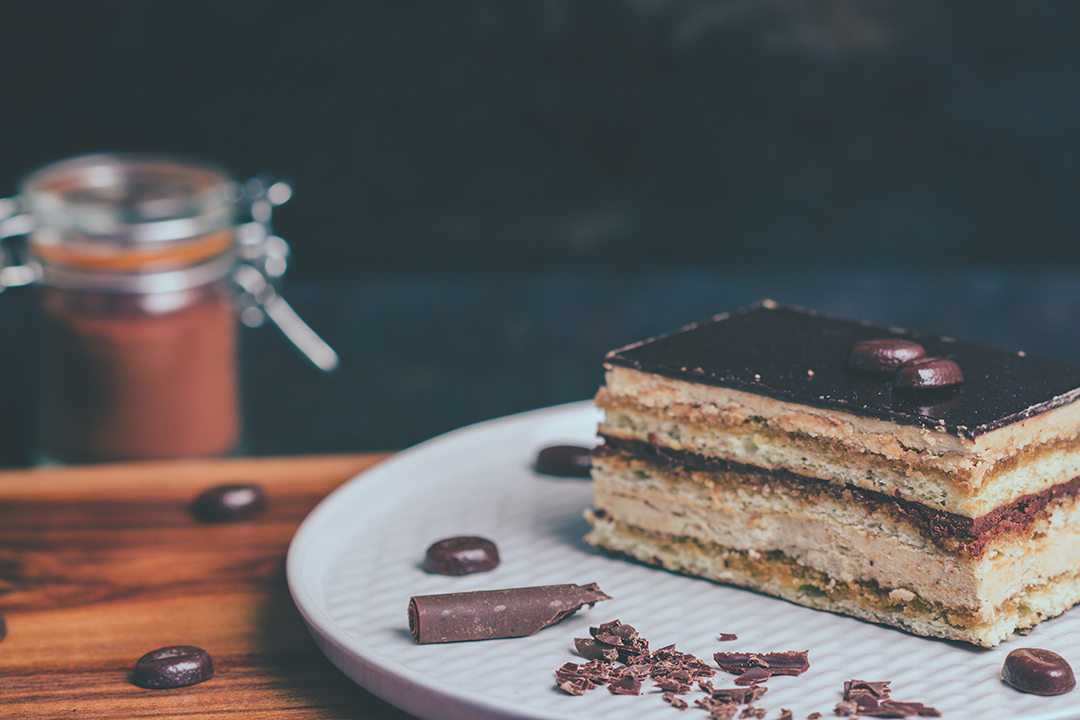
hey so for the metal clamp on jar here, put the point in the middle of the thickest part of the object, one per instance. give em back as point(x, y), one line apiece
point(143, 271)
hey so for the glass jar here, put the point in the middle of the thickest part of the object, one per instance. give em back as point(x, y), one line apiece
point(138, 260)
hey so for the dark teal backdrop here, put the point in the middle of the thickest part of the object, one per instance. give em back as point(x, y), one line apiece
point(629, 132)
point(490, 195)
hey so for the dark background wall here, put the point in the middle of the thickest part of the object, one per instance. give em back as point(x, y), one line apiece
point(490, 195)
point(528, 134)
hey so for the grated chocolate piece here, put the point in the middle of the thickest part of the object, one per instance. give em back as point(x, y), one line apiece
point(672, 685)
point(739, 696)
point(785, 714)
point(590, 649)
point(575, 686)
point(717, 709)
point(777, 663)
point(753, 676)
point(667, 662)
point(872, 699)
point(675, 702)
point(895, 708)
point(619, 657)
point(575, 679)
point(626, 685)
point(846, 707)
point(727, 637)
point(877, 689)
point(629, 647)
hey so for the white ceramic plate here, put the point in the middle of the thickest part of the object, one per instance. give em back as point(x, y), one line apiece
point(355, 562)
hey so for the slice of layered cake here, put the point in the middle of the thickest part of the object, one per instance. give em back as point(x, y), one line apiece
point(900, 478)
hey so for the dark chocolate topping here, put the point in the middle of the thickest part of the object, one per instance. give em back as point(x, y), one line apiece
point(799, 356)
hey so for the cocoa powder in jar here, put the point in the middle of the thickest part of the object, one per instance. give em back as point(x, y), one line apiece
point(138, 376)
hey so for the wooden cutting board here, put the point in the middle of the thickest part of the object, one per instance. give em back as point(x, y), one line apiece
point(100, 564)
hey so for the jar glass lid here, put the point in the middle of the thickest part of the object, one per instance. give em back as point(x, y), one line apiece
point(131, 198)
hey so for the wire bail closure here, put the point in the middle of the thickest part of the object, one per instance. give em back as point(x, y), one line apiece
point(256, 264)
point(264, 258)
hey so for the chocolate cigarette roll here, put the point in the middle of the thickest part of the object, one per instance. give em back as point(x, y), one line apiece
point(489, 614)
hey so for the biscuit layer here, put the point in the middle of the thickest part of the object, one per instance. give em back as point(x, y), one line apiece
point(823, 531)
point(775, 574)
point(966, 477)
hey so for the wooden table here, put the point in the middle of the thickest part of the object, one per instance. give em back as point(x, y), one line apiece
point(99, 565)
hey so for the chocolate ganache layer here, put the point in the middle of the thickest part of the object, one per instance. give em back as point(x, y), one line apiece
point(800, 356)
point(948, 531)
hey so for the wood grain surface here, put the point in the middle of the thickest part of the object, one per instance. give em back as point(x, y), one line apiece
point(101, 564)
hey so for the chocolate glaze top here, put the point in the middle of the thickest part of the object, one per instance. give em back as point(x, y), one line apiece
point(800, 356)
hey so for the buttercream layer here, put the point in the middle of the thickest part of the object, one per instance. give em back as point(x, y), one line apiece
point(821, 529)
point(966, 477)
point(948, 531)
point(775, 574)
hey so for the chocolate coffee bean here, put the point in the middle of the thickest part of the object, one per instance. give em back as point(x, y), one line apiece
point(564, 461)
point(173, 667)
point(927, 373)
point(883, 355)
point(1038, 671)
point(461, 556)
point(229, 502)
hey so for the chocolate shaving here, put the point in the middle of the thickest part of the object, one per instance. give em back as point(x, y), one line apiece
point(895, 708)
point(717, 709)
point(675, 702)
point(753, 676)
point(626, 685)
point(739, 696)
point(872, 699)
point(672, 671)
point(575, 686)
point(628, 646)
point(489, 614)
point(877, 689)
point(675, 673)
point(846, 707)
point(785, 714)
point(592, 650)
point(727, 637)
point(776, 663)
